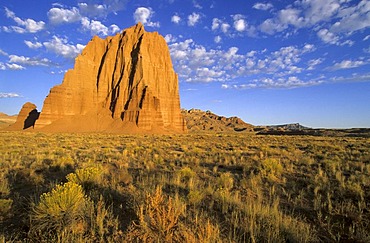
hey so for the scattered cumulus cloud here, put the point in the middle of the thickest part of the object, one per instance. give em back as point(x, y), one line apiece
point(196, 63)
point(328, 37)
point(114, 29)
point(9, 95)
point(93, 10)
point(263, 6)
point(314, 62)
point(3, 53)
point(33, 45)
point(144, 16)
point(60, 46)
point(64, 16)
point(28, 61)
point(197, 5)
point(14, 66)
point(346, 64)
point(218, 39)
point(240, 25)
point(175, 19)
point(24, 25)
point(170, 38)
point(193, 19)
point(311, 13)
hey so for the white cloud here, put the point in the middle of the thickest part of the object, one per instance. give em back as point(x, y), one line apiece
point(366, 38)
point(170, 38)
point(28, 25)
point(240, 25)
point(309, 13)
point(197, 5)
point(2, 66)
point(61, 47)
point(218, 39)
point(251, 53)
point(328, 37)
point(61, 15)
point(33, 45)
point(97, 28)
point(215, 24)
point(3, 53)
point(317, 10)
point(190, 59)
point(175, 19)
point(263, 6)
point(94, 26)
point(193, 19)
point(225, 27)
point(274, 83)
point(353, 18)
point(219, 24)
point(314, 62)
point(114, 29)
point(271, 26)
point(144, 16)
point(346, 64)
point(9, 95)
point(93, 10)
point(13, 66)
point(28, 61)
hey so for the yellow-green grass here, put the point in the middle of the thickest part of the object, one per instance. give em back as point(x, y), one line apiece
point(183, 188)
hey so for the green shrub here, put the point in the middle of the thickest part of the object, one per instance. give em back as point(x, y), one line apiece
point(66, 206)
point(86, 176)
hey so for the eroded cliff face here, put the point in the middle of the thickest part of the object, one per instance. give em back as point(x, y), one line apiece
point(128, 78)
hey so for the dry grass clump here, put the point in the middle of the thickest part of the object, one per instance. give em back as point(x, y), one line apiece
point(158, 220)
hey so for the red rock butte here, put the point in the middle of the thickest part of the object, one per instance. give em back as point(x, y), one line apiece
point(124, 83)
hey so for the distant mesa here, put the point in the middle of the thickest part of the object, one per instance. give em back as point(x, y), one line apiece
point(26, 118)
point(6, 120)
point(198, 120)
point(125, 83)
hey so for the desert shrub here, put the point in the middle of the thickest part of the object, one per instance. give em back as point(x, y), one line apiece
point(158, 220)
point(86, 176)
point(65, 207)
point(66, 214)
point(271, 168)
point(195, 197)
point(225, 181)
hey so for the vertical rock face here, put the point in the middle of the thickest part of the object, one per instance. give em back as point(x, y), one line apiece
point(26, 118)
point(128, 78)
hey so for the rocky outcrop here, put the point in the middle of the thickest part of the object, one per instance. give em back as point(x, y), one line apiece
point(198, 120)
point(26, 118)
point(122, 83)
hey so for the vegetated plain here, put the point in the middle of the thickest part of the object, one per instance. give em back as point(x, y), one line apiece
point(198, 187)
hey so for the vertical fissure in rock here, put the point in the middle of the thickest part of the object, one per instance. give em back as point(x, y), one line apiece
point(135, 59)
point(142, 97)
point(115, 83)
point(101, 66)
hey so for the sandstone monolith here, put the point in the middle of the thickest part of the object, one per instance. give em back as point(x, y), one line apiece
point(122, 83)
point(26, 118)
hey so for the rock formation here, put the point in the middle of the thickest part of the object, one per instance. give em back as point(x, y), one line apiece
point(198, 120)
point(26, 118)
point(121, 83)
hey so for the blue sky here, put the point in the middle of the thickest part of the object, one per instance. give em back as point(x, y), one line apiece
point(268, 62)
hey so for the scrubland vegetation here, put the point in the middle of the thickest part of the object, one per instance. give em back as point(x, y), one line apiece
point(183, 188)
